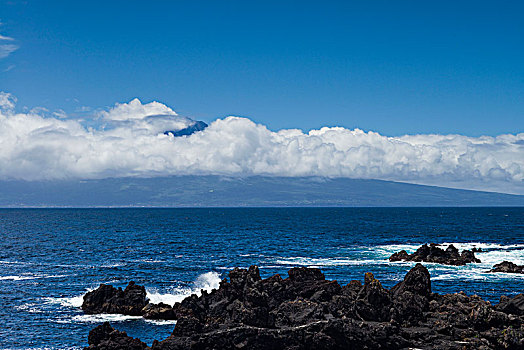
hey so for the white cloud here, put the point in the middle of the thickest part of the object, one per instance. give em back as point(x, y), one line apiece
point(83, 109)
point(6, 38)
point(7, 101)
point(133, 144)
point(136, 110)
point(150, 118)
point(60, 113)
point(7, 49)
point(10, 67)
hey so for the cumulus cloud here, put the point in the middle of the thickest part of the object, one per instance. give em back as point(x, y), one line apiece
point(132, 143)
point(150, 118)
point(135, 110)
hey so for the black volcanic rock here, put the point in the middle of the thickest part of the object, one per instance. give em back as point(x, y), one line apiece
point(130, 301)
point(108, 299)
point(106, 337)
point(159, 311)
point(411, 297)
point(432, 253)
point(507, 267)
point(373, 301)
point(306, 311)
point(513, 305)
point(416, 281)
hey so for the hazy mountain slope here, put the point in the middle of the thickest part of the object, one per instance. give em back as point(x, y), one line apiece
point(209, 191)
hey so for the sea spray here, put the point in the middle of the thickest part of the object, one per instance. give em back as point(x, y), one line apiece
point(206, 281)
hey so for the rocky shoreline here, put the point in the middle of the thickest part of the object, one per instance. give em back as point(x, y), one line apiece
point(306, 311)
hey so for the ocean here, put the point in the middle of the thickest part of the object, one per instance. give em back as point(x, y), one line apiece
point(50, 257)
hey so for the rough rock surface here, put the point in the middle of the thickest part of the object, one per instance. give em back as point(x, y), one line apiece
point(110, 300)
point(513, 305)
point(159, 311)
point(507, 267)
point(106, 337)
point(130, 301)
point(432, 253)
point(306, 311)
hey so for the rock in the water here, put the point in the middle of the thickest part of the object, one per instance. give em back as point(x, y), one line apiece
point(159, 311)
point(108, 299)
point(306, 311)
point(507, 267)
point(432, 253)
point(105, 337)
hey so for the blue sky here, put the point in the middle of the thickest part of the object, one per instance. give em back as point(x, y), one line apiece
point(394, 67)
point(442, 73)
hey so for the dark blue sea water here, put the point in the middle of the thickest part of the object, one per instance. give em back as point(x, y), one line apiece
point(50, 257)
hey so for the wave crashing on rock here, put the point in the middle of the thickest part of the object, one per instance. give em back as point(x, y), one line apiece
point(306, 311)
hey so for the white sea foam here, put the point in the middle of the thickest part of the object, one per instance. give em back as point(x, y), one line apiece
point(112, 265)
point(170, 298)
point(151, 261)
point(319, 262)
point(489, 258)
point(74, 301)
point(17, 278)
point(207, 281)
point(491, 254)
point(8, 262)
point(28, 277)
point(29, 307)
point(161, 322)
point(410, 248)
point(97, 318)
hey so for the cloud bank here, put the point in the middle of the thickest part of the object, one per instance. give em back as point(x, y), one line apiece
point(130, 142)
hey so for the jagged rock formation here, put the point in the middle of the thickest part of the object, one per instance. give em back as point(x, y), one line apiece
point(306, 311)
point(106, 337)
point(514, 306)
point(507, 267)
point(110, 300)
point(432, 253)
point(160, 311)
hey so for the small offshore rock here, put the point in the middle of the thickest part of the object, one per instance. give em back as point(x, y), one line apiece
point(433, 253)
point(507, 267)
point(105, 337)
point(159, 311)
point(108, 299)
